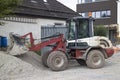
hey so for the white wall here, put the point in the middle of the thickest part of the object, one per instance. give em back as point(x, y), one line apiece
point(49, 21)
point(19, 28)
point(118, 12)
point(23, 28)
point(118, 15)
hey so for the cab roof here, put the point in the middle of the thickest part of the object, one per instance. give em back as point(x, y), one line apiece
point(80, 17)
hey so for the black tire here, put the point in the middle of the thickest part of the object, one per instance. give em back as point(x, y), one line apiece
point(95, 59)
point(44, 58)
point(57, 61)
point(81, 62)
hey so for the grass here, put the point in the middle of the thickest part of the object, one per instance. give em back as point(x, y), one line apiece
point(38, 52)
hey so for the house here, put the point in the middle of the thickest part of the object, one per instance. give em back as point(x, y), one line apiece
point(30, 15)
point(105, 12)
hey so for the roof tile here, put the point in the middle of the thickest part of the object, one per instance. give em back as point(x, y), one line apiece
point(51, 8)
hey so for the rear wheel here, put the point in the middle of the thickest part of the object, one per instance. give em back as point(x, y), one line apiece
point(81, 62)
point(44, 58)
point(95, 59)
point(57, 61)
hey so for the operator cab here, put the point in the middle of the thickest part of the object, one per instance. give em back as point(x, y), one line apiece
point(80, 27)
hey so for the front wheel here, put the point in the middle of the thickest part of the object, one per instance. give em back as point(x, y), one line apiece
point(95, 59)
point(57, 61)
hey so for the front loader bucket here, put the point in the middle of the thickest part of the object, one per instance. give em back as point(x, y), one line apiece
point(17, 50)
point(17, 46)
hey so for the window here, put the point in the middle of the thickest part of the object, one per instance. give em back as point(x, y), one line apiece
point(45, 0)
point(81, 1)
point(98, 14)
point(93, 0)
point(82, 30)
point(19, 19)
point(88, 1)
point(83, 14)
point(108, 13)
point(71, 35)
point(86, 14)
point(103, 14)
point(93, 14)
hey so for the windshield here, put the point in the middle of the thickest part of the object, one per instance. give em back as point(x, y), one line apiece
point(80, 28)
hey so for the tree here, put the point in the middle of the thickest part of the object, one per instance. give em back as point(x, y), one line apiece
point(100, 30)
point(7, 6)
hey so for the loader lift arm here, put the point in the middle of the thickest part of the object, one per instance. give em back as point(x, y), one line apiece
point(57, 40)
point(31, 38)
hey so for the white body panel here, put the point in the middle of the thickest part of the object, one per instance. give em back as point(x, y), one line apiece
point(93, 41)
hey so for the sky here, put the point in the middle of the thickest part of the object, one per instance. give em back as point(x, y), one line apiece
point(69, 3)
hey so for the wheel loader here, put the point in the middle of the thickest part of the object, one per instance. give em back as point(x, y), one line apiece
point(80, 45)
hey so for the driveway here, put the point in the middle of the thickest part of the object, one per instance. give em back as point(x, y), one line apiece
point(29, 67)
point(111, 70)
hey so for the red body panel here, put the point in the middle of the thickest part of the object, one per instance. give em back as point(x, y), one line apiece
point(58, 42)
point(78, 53)
point(109, 51)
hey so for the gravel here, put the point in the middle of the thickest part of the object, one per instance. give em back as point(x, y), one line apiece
point(11, 66)
point(29, 67)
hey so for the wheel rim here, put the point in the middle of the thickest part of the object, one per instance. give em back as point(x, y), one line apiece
point(58, 61)
point(96, 60)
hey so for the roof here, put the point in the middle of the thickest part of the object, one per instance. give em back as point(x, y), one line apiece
point(45, 8)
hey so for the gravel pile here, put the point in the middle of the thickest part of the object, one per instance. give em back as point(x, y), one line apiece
point(11, 66)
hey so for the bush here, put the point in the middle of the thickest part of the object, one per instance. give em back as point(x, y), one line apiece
point(100, 30)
